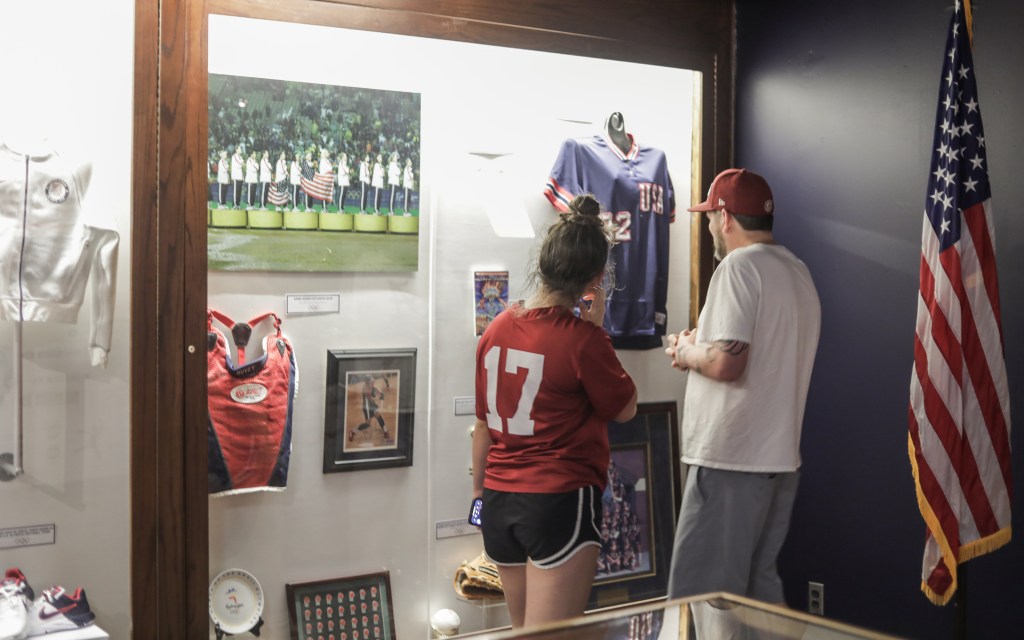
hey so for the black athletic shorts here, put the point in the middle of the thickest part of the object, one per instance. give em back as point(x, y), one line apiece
point(545, 528)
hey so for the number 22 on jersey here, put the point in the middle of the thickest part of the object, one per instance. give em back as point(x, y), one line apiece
point(520, 423)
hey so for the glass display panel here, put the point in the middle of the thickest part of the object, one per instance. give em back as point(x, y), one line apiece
point(717, 616)
point(65, 229)
point(416, 266)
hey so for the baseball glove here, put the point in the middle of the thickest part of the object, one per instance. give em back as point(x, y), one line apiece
point(478, 579)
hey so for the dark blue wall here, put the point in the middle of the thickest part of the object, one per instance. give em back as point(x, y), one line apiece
point(835, 105)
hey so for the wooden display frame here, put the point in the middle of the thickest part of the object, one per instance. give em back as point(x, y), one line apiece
point(353, 608)
point(641, 504)
point(368, 419)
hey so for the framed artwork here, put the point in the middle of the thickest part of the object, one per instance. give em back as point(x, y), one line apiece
point(307, 171)
point(368, 422)
point(490, 297)
point(641, 505)
point(352, 608)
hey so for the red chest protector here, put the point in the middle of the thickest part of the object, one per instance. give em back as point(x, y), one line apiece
point(250, 407)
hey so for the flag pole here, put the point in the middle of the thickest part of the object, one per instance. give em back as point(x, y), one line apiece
point(969, 17)
point(960, 619)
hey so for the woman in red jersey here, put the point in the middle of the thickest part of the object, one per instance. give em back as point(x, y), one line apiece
point(547, 383)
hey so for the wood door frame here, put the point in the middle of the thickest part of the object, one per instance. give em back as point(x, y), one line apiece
point(170, 545)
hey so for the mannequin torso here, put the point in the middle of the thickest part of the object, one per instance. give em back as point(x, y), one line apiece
point(615, 126)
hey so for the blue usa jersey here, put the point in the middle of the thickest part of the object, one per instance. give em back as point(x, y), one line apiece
point(637, 199)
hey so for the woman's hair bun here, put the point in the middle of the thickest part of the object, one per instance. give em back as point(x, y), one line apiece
point(585, 204)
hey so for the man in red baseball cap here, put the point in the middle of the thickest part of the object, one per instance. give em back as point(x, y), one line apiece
point(739, 191)
point(746, 198)
point(749, 361)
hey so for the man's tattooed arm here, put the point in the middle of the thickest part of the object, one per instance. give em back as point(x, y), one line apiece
point(722, 360)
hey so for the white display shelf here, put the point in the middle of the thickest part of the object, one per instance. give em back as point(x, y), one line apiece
point(91, 632)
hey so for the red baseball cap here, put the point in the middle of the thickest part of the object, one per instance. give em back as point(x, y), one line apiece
point(739, 191)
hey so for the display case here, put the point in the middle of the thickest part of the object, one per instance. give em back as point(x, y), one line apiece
point(382, 322)
point(103, 474)
point(716, 616)
point(65, 380)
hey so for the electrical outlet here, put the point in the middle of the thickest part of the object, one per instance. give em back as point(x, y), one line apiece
point(816, 598)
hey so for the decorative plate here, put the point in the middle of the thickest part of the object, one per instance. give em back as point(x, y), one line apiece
point(236, 601)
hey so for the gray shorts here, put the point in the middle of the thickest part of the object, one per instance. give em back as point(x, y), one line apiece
point(731, 527)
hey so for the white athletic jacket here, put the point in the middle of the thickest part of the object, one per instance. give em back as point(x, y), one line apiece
point(50, 248)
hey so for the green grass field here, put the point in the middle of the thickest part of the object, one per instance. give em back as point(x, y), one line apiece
point(283, 250)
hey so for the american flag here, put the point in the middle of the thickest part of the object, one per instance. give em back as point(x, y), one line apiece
point(278, 193)
point(959, 401)
point(317, 185)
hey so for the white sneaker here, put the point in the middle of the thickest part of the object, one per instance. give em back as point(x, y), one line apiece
point(55, 610)
point(13, 611)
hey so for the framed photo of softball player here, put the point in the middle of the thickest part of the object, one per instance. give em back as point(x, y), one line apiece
point(368, 420)
point(343, 608)
point(640, 506)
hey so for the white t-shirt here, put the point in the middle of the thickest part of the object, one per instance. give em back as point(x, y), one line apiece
point(762, 295)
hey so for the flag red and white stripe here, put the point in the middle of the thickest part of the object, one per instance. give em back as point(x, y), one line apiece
point(319, 185)
point(278, 193)
point(959, 413)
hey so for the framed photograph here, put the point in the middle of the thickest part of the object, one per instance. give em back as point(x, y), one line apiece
point(490, 297)
point(370, 404)
point(343, 608)
point(641, 505)
point(309, 170)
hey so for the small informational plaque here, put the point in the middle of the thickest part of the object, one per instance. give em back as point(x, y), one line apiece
point(32, 536)
point(453, 528)
point(298, 303)
point(464, 405)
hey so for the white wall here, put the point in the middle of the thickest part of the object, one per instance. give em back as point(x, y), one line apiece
point(73, 86)
point(475, 99)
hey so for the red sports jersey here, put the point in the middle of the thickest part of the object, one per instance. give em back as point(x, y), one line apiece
point(249, 435)
point(547, 383)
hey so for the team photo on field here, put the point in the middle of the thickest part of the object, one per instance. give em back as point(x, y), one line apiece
point(302, 175)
